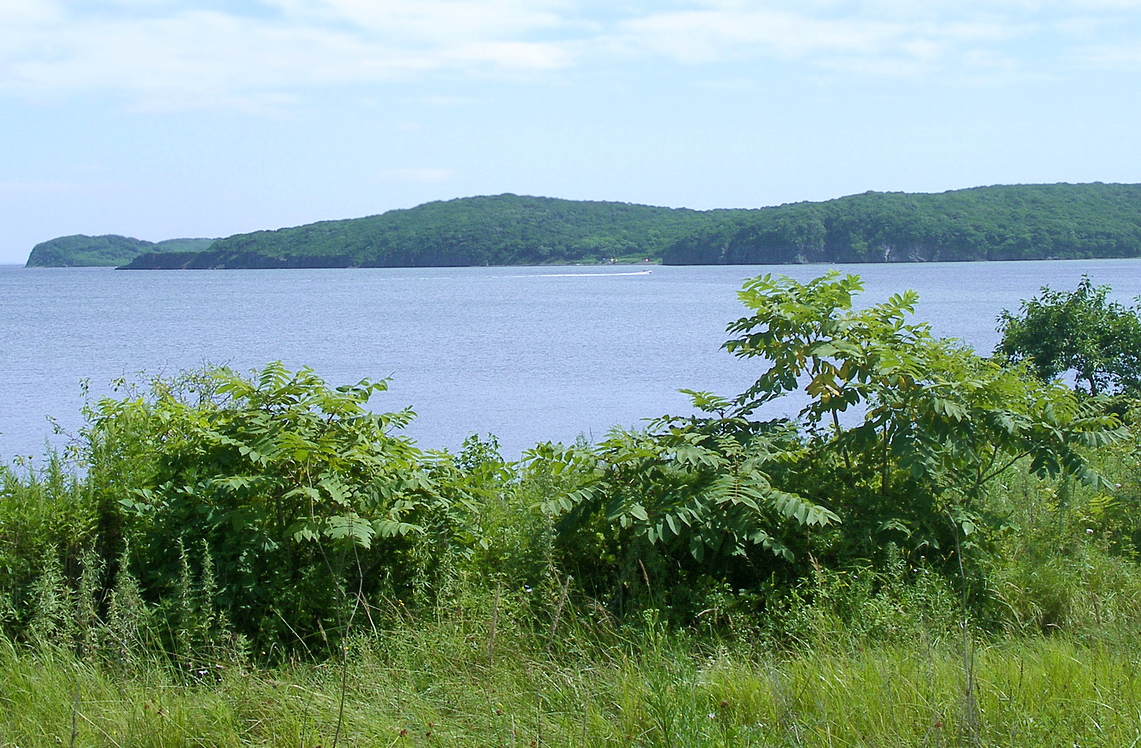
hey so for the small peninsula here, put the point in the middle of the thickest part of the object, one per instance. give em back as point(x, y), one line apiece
point(110, 250)
point(1004, 222)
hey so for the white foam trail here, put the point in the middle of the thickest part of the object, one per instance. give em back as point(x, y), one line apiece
point(591, 275)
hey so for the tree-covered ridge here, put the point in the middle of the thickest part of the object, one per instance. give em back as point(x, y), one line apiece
point(495, 230)
point(1015, 222)
point(110, 250)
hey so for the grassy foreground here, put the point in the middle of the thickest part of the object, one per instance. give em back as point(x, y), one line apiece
point(455, 683)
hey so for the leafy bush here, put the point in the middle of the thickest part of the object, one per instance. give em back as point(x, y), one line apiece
point(906, 431)
point(1078, 333)
point(47, 519)
point(307, 503)
point(901, 439)
point(682, 500)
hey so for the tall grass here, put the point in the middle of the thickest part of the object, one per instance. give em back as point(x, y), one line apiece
point(433, 686)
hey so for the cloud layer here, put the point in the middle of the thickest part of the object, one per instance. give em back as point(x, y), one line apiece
point(270, 51)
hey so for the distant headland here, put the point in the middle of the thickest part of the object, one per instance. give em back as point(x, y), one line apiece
point(110, 250)
point(1005, 222)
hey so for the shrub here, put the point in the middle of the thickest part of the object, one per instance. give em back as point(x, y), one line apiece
point(306, 502)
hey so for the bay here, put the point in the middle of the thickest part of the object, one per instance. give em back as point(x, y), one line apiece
point(528, 354)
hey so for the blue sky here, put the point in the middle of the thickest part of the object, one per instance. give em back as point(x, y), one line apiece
point(162, 118)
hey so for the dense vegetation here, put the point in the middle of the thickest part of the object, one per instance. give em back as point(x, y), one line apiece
point(986, 223)
point(499, 230)
point(1078, 333)
point(1018, 222)
point(941, 549)
point(104, 251)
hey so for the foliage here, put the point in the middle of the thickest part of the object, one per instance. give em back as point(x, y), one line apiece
point(1079, 333)
point(901, 438)
point(930, 423)
point(47, 518)
point(696, 487)
point(986, 223)
point(514, 534)
point(491, 230)
point(678, 506)
point(1012, 222)
point(110, 250)
point(892, 602)
point(298, 492)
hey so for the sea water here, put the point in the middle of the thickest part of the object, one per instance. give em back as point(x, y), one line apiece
point(528, 354)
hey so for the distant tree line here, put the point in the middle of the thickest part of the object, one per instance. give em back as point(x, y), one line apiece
point(110, 250)
point(497, 230)
point(1019, 222)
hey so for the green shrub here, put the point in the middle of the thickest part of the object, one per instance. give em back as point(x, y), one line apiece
point(47, 518)
point(306, 503)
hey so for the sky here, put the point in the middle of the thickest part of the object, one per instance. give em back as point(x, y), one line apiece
point(164, 118)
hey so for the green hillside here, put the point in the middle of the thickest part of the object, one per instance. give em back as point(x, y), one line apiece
point(110, 250)
point(498, 230)
point(1015, 222)
point(1018, 222)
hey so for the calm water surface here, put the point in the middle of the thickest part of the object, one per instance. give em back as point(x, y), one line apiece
point(527, 354)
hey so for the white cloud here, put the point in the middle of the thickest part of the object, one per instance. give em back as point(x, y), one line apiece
point(203, 55)
point(1125, 56)
point(699, 36)
point(432, 21)
point(265, 53)
point(960, 38)
point(31, 11)
point(1105, 4)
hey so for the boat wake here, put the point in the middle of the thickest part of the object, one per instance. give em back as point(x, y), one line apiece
point(591, 275)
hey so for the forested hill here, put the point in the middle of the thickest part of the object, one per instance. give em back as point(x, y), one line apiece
point(984, 223)
point(110, 250)
point(1020, 222)
point(498, 230)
